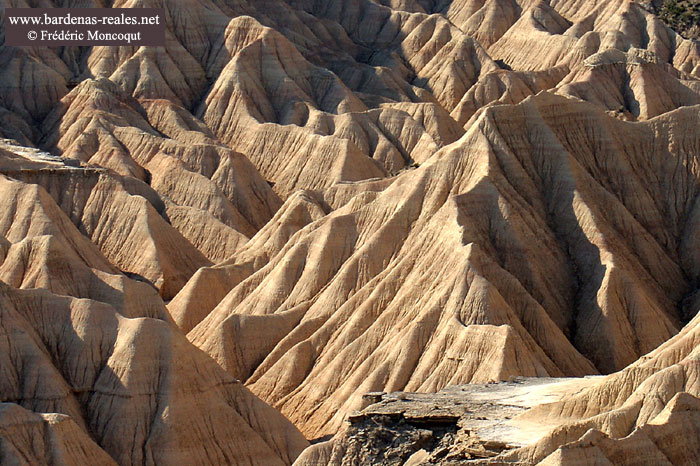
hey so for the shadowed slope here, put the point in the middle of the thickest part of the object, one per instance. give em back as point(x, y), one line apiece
point(131, 384)
point(463, 225)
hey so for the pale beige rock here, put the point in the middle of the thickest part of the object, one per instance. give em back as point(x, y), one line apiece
point(100, 124)
point(207, 233)
point(672, 439)
point(667, 438)
point(141, 389)
point(121, 223)
point(36, 72)
point(627, 83)
point(46, 262)
point(141, 74)
point(505, 87)
point(4, 246)
point(448, 196)
point(211, 181)
point(638, 411)
point(434, 119)
point(261, 72)
point(33, 212)
point(210, 285)
point(349, 196)
point(29, 438)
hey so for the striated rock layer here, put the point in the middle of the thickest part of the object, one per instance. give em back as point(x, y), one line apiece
point(94, 369)
point(130, 383)
point(301, 202)
point(539, 259)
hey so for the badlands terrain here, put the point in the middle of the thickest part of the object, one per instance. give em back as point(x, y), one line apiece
point(320, 232)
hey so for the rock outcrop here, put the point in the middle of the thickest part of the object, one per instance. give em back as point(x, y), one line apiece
point(94, 369)
point(457, 425)
point(135, 384)
point(335, 293)
point(293, 203)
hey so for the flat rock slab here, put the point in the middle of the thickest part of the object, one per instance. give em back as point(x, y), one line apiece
point(487, 411)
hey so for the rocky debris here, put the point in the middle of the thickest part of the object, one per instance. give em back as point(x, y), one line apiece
point(441, 424)
point(457, 424)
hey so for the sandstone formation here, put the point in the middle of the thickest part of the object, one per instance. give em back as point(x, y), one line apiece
point(635, 413)
point(30, 438)
point(458, 425)
point(109, 377)
point(488, 302)
point(130, 383)
point(297, 202)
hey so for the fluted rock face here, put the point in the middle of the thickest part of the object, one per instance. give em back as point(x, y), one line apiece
point(520, 215)
point(670, 439)
point(119, 222)
point(131, 384)
point(296, 202)
point(634, 83)
point(30, 438)
point(108, 378)
point(644, 414)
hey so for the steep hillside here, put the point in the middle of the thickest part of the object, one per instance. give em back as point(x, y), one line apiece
point(210, 251)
